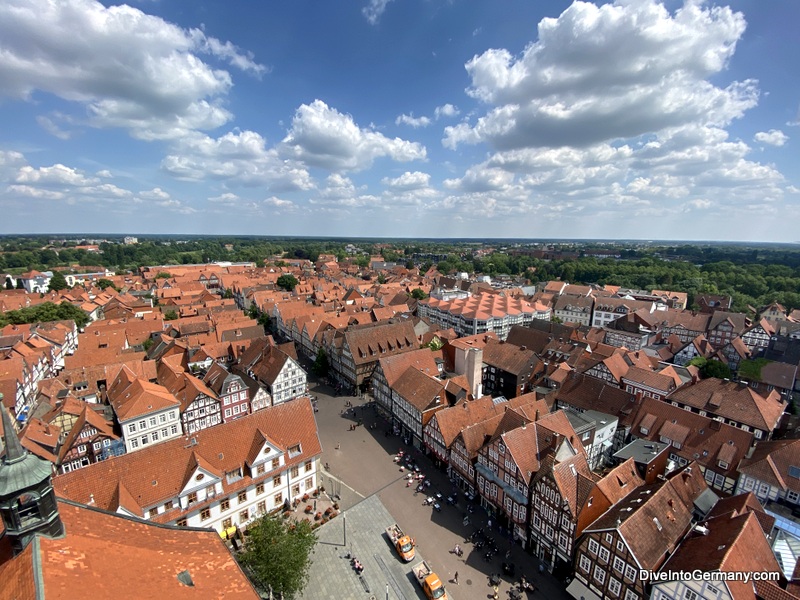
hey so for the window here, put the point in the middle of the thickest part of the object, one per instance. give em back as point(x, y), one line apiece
point(167, 505)
point(243, 516)
point(619, 565)
point(242, 497)
point(630, 574)
point(192, 497)
point(153, 422)
point(723, 465)
point(614, 586)
point(224, 504)
point(181, 522)
point(593, 546)
point(260, 489)
point(132, 428)
point(134, 443)
point(144, 440)
point(276, 481)
point(309, 483)
point(295, 471)
point(276, 462)
point(604, 554)
point(308, 466)
point(262, 507)
point(152, 512)
point(295, 450)
point(142, 424)
point(227, 413)
point(174, 429)
point(172, 414)
point(599, 575)
point(296, 490)
point(629, 595)
point(155, 436)
point(620, 546)
point(610, 538)
point(689, 594)
point(205, 514)
point(712, 590)
point(644, 430)
point(162, 418)
point(277, 498)
point(585, 563)
point(227, 523)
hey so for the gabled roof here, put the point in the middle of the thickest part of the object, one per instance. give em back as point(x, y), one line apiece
point(652, 520)
point(131, 397)
point(733, 401)
point(728, 543)
point(157, 473)
point(394, 366)
point(776, 462)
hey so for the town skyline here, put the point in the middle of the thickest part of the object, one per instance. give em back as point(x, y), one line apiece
point(401, 120)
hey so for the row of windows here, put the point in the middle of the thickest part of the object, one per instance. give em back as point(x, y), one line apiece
point(237, 409)
point(162, 418)
point(154, 436)
point(234, 398)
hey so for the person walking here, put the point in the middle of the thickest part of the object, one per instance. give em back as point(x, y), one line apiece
point(455, 578)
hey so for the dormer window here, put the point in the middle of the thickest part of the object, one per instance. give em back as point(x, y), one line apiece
point(295, 450)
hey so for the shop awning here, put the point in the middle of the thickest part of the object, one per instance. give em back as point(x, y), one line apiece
point(577, 590)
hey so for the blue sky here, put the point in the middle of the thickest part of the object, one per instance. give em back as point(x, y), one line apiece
point(402, 118)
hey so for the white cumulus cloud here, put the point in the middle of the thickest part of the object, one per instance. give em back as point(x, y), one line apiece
point(607, 72)
point(773, 137)
point(127, 68)
point(412, 121)
point(321, 136)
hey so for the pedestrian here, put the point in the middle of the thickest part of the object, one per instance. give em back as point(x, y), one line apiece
point(337, 445)
point(489, 524)
point(455, 578)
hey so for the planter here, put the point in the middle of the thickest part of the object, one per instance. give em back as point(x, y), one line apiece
point(305, 497)
point(336, 506)
point(309, 510)
point(318, 516)
point(328, 511)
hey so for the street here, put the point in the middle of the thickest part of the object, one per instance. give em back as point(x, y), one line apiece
point(360, 463)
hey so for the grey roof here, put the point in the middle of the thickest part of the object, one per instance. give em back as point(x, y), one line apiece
point(19, 469)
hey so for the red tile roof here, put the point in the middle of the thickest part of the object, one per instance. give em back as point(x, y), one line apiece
point(104, 555)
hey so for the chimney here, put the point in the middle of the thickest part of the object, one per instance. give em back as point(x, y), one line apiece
point(475, 371)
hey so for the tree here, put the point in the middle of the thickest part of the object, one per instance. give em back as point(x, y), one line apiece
point(105, 283)
point(287, 282)
point(277, 554)
point(163, 275)
point(320, 366)
point(381, 278)
point(170, 315)
point(418, 294)
point(58, 282)
point(711, 367)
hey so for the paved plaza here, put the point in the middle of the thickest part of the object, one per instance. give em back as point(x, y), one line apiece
point(372, 492)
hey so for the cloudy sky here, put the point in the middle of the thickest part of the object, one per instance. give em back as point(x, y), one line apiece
point(402, 118)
